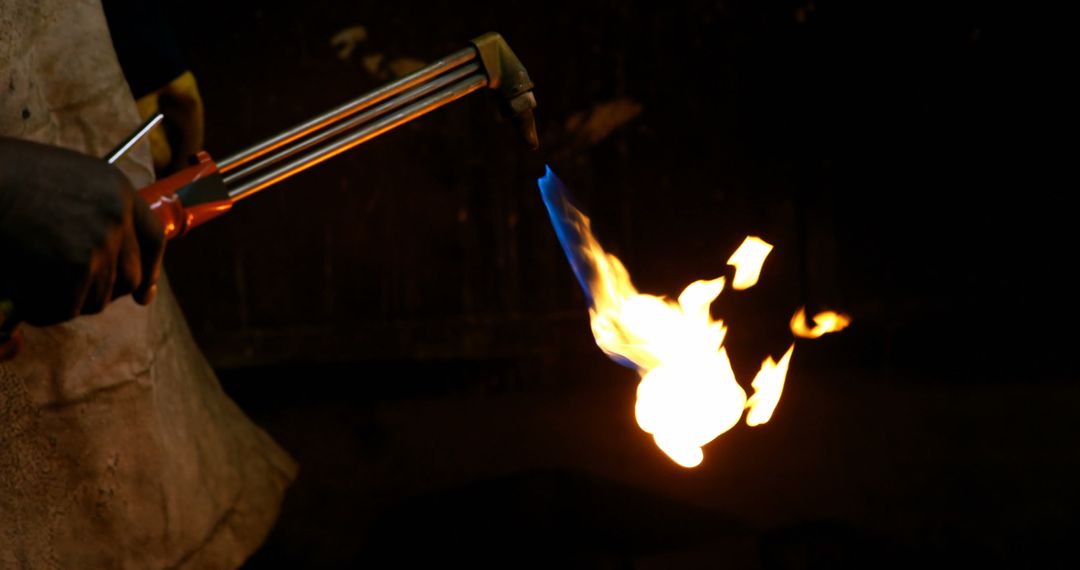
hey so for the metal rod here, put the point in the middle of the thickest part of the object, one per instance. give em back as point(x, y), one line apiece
point(349, 124)
point(395, 119)
point(439, 67)
point(123, 148)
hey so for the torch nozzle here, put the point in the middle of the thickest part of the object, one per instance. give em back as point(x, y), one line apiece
point(526, 124)
point(508, 77)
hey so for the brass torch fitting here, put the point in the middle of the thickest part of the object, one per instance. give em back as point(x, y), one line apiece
point(509, 78)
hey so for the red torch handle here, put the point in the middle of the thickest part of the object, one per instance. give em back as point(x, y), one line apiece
point(182, 201)
point(188, 198)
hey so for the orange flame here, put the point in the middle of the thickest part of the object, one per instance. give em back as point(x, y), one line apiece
point(688, 394)
point(748, 260)
point(824, 322)
point(768, 384)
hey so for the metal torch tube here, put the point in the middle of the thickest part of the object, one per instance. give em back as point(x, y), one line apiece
point(343, 126)
point(389, 122)
point(439, 67)
point(133, 139)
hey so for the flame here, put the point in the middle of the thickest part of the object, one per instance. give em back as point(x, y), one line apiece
point(768, 384)
point(748, 260)
point(688, 394)
point(824, 322)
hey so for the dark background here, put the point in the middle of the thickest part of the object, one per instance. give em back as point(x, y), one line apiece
point(402, 320)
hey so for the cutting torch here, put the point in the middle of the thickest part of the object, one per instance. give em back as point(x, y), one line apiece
point(207, 188)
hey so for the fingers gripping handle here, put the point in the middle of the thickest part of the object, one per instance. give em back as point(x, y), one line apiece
point(185, 200)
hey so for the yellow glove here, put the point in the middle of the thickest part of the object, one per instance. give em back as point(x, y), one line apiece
point(180, 135)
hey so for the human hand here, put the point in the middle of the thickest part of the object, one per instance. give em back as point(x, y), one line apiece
point(181, 135)
point(74, 235)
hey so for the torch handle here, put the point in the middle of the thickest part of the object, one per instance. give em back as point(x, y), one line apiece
point(180, 202)
point(188, 198)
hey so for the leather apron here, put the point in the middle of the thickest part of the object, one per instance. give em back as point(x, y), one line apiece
point(118, 447)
